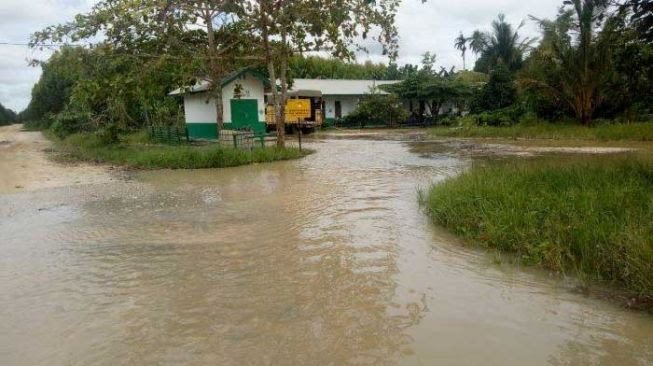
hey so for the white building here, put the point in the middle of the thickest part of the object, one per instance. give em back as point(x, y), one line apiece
point(243, 104)
point(244, 101)
point(340, 96)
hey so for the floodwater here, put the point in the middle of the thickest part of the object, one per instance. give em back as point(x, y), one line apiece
point(323, 261)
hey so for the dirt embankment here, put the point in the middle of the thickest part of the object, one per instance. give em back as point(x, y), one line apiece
point(24, 164)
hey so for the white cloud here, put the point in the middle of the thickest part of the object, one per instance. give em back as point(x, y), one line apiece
point(431, 26)
point(18, 20)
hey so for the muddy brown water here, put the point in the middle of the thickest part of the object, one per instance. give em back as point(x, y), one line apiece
point(323, 261)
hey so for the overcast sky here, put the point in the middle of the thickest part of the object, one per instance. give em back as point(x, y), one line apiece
point(422, 27)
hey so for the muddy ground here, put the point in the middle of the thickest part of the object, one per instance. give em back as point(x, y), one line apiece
point(25, 165)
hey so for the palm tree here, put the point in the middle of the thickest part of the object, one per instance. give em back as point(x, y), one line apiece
point(461, 45)
point(502, 44)
point(570, 69)
point(477, 42)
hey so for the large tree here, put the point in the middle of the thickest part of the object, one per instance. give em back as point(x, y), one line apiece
point(203, 38)
point(7, 116)
point(642, 17)
point(461, 44)
point(289, 27)
point(573, 62)
point(502, 44)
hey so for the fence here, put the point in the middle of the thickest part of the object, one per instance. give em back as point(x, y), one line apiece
point(246, 139)
point(169, 134)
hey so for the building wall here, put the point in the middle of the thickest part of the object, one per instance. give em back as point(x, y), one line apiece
point(252, 89)
point(348, 104)
point(200, 113)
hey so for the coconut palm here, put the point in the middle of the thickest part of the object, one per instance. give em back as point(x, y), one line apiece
point(503, 44)
point(572, 64)
point(461, 45)
point(477, 42)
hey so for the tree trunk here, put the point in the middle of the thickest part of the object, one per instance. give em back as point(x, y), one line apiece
point(275, 97)
point(283, 77)
point(215, 72)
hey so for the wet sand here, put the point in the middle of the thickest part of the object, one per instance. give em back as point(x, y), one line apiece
point(25, 166)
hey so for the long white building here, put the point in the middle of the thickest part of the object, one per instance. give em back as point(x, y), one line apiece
point(244, 100)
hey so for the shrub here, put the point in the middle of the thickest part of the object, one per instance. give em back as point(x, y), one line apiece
point(67, 123)
point(589, 215)
point(502, 117)
point(377, 109)
point(500, 92)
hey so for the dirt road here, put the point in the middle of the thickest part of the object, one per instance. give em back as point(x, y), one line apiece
point(25, 166)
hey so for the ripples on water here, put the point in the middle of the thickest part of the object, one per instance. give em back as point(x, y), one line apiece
point(323, 261)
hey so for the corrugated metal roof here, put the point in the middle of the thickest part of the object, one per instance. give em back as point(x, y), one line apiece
point(341, 87)
point(326, 86)
point(203, 85)
point(199, 87)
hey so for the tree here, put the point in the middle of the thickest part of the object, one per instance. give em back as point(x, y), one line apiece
point(500, 92)
point(461, 45)
point(434, 89)
point(314, 67)
point(7, 116)
point(377, 108)
point(642, 17)
point(573, 62)
point(503, 44)
point(202, 38)
point(288, 27)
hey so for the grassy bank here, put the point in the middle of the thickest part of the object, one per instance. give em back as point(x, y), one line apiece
point(134, 152)
point(590, 216)
point(548, 130)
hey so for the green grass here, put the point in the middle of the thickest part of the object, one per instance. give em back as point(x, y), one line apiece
point(133, 153)
point(548, 130)
point(589, 216)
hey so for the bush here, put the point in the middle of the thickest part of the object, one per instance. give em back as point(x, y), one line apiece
point(500, 92)
point(377, 109)
point(67, 123)
point(502, 117)
point(592, 215)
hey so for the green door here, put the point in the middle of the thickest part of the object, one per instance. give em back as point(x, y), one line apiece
point(244, 115)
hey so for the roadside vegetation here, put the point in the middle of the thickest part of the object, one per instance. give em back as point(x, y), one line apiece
point(539, 129)
point(591, 216)
point(7, 116)
point(137, 151)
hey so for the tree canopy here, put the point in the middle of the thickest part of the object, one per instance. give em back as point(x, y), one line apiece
point(7, 116)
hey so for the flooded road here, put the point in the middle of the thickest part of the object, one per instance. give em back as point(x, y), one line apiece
point(323, 261)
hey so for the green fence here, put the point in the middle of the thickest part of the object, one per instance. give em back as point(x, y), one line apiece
point(169, 134)
point(245, 139)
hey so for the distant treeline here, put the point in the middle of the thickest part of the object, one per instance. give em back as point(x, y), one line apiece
point(314, 67)
point(82, 88)
point(7, 116)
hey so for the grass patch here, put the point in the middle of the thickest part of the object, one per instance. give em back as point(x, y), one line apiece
point(132, 152)
point(548, 130)
point(591, 216)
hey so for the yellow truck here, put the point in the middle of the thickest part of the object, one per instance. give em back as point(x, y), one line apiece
point(300, 110)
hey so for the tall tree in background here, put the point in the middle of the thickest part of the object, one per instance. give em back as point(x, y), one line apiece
point(477, 42)
point(288, 27)
point(461, 45)
point(200, 37)
point(7, 116)
point(502, 44)
point(642, 17)
point(573, 62)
